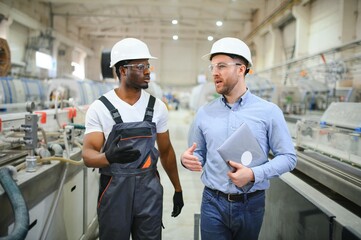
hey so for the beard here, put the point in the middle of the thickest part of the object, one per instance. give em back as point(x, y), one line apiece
point(136, 85)
point(145, 86)
point(224, 89)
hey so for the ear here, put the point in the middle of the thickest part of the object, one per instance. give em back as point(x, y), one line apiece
point(242, 69)
point(122, 71)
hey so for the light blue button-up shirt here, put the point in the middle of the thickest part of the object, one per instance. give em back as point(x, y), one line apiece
point(216, 121)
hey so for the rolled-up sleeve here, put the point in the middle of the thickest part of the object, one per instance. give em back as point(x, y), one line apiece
point(282, 147)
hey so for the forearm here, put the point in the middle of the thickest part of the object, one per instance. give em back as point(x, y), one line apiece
point(93, 158)
point(169, 164)
point(275, 167)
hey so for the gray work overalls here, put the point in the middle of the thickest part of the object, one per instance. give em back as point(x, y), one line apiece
point(130, 196)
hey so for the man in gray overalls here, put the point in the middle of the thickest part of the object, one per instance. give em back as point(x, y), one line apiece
point(122, 128)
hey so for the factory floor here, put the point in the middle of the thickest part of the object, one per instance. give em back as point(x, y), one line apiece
point(181, 227)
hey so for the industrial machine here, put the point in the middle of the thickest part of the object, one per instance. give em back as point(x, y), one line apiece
point(44, 181)
point(322, 195)
point(40, 163)
point(306, 94)
point(15, 92)
point(334, 144)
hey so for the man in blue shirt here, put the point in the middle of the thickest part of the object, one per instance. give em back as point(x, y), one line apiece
point(229, 210)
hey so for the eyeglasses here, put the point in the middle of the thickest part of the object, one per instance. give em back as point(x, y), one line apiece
point(140, 66)
point(221, 66)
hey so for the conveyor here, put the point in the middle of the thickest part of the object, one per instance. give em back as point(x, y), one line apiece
point(338, 176)
point(320, 199)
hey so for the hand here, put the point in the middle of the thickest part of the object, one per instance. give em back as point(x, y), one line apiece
point(241, 175)
point(177, 203)
point(116, 154)
point(190, 161)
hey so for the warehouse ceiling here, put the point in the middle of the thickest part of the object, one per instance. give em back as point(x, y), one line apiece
point(152, 19)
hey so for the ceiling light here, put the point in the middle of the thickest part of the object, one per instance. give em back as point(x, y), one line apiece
point(219, 23)
point(210, 38)
point(175, 37)
point(174, 21)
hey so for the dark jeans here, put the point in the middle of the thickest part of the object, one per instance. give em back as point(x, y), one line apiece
point(222, 219)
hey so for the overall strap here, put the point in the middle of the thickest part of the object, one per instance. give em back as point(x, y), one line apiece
point(113, 111)
point(149, 111)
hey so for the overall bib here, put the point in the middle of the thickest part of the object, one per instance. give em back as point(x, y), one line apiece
point(130, 196)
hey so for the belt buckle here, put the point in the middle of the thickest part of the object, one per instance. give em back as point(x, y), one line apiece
point(229, 199)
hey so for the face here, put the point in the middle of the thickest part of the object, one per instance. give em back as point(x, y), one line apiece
point(137, 74)
point(226, 73)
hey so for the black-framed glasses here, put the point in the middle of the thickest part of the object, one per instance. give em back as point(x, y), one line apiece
point(221, 66)
point(140, 66)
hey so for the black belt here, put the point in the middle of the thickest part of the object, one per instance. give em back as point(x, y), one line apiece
point(236, 197)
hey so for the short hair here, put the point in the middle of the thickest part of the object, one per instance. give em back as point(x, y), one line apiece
point(118, 65)
point(234, 56)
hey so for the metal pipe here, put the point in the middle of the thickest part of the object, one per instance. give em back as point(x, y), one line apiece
point(314, 55)
point(58, 150)
point(85, 201)
point(49, 219)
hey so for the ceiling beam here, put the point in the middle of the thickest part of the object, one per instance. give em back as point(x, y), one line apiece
point(242, 17)
point(244, 4)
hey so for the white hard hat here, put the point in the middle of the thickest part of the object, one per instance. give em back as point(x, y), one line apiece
point(129, 49)
point(231, 46)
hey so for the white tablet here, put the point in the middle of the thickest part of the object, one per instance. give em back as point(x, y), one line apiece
point(242, 147)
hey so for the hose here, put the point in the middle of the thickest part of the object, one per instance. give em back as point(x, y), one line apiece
point(77, 126)
point(58, 158)
point(44, 135)
point(21, 225)
point(18, 204)
point(66, 160)
point(78, 144)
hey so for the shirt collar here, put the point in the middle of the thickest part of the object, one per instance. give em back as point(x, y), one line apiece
point(239, 100)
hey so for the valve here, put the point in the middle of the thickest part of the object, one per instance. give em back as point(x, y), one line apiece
point(31, 131)
point(70, 135)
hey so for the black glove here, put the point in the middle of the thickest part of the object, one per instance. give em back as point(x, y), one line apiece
point(116, 154)
point(177, 203)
